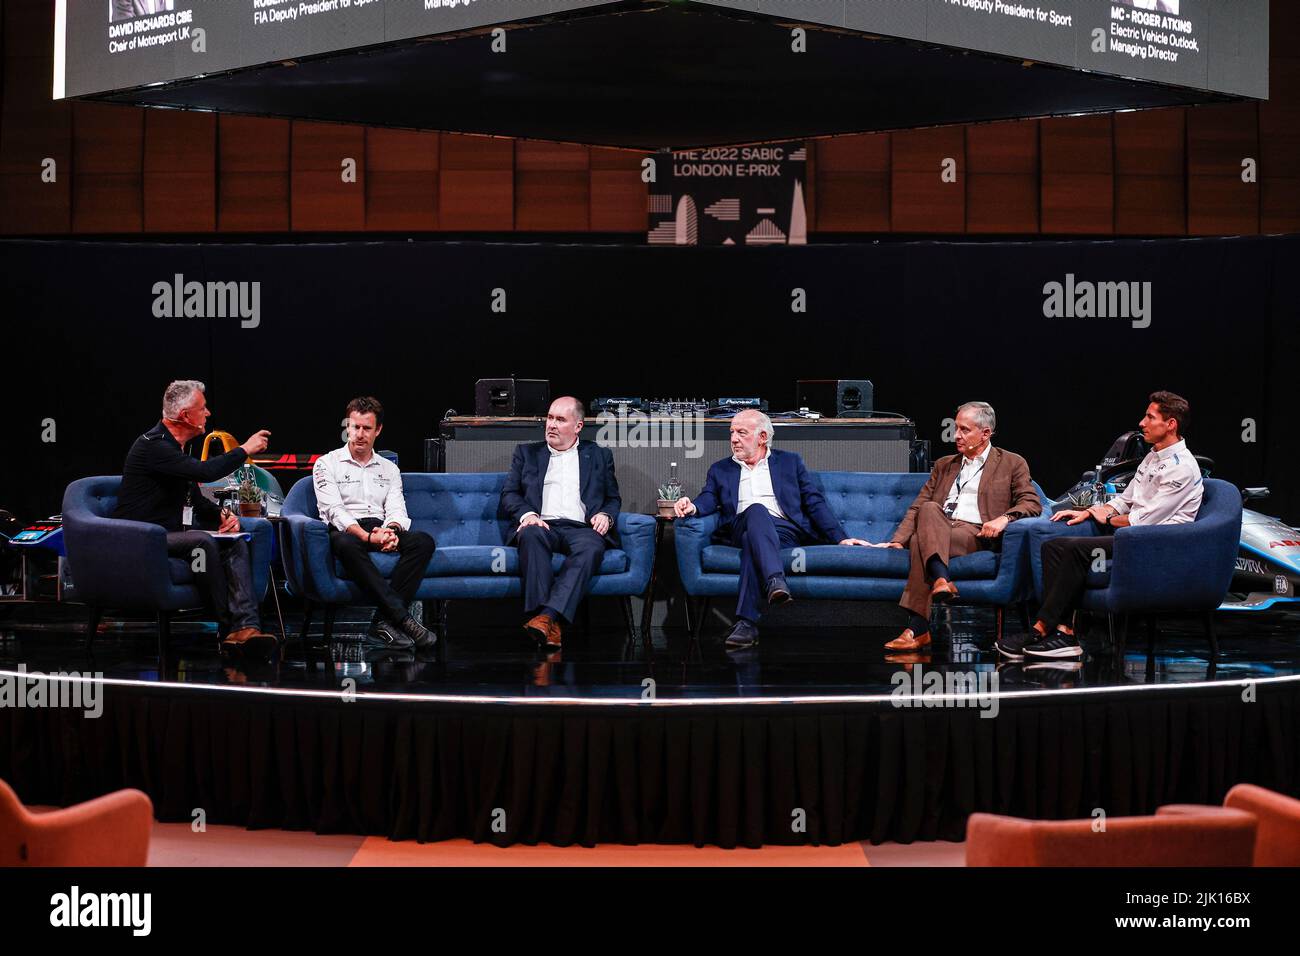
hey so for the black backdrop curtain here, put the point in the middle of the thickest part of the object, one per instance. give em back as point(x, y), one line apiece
point(933, 324)
point(706, 775)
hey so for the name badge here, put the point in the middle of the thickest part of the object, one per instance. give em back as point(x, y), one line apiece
point(187, 516)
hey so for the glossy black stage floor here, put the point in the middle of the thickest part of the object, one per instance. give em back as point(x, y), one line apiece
point(818, 735)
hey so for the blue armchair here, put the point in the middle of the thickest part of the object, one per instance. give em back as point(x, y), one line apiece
point(124, 564)
point(870, 505)
point(473, 559)
point(1158, 569)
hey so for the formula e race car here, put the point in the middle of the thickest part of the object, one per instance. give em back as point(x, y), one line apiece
point(1267, 577)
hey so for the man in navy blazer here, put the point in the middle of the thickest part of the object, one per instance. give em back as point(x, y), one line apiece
point(563, 496)
point(767, 501)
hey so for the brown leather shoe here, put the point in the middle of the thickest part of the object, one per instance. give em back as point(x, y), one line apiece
point(909, 640)
point(943, 590)
point(251, 643)
point(544, 630)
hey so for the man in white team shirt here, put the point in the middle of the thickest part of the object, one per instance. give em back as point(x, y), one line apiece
point(1167, 489)
point(359, 494)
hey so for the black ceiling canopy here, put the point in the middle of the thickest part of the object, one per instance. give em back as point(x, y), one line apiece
point(661, 75)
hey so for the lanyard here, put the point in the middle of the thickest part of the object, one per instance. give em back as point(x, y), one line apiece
point(959, 487)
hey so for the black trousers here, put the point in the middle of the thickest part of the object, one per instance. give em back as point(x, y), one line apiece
point(561, 593)
point(1066, 562)
point(392, 596)
point(223, 570)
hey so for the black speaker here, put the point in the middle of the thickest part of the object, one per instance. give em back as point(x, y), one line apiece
point(836, 398)
point(512, 397)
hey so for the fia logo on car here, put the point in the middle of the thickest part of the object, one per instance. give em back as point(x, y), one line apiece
point(1280, 584)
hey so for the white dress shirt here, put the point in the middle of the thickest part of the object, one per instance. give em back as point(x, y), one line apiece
point(561, 489)
point(1167, 488)
point(347, 491)
point(966, 488)
point(756, 486)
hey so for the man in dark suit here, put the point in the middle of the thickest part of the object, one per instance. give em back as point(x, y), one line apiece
point(767, 501)
point(563, 495)
point(968, 502)
point(127, 9)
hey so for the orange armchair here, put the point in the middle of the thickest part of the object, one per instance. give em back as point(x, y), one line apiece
point(1277, 842)
point(112, 830)
point(1192, 836)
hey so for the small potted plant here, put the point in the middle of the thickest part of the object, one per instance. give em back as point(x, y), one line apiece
point(250, 498)
point(669, 492)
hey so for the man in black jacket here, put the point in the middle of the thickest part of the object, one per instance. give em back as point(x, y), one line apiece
point(160, 486)
point(563, 495)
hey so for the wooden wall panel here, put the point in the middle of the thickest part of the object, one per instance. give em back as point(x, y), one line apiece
point(619, 197)
point(1002, 177)
point(253, 174)
point(920, 200)
point(1150, 173)
point(1279, 136)
point(1219, 138)
point(107, 174)
point(33, 128)
point(123, 170)
point(552, 187)
point(1077, 175)
point(320, 199)
point(180, 171)
point(401, 180)
point(853, 190)
point(477, 184)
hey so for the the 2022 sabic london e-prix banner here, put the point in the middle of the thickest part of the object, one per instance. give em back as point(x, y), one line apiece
point(105, 45)
point(730, 195)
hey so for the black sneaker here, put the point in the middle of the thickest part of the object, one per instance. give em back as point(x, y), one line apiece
point(1056, 646)
point(1055, 674)
point(742, 634)
point(778, 592)
point(384, 633)
point(1012, 646)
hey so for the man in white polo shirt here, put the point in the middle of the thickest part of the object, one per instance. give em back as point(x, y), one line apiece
point(1167, 489)
point(359, 494)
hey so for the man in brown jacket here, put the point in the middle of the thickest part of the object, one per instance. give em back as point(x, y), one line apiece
point(969, 500)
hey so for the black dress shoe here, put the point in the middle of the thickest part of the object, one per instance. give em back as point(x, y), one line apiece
point(742, 634)
point(778, 592)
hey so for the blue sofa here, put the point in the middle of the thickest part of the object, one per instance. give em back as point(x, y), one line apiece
point(870, 505)
point(473, 559)
point(124, 564)
point(1158, 569)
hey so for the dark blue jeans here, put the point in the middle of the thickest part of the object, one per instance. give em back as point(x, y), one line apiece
point(224, 575)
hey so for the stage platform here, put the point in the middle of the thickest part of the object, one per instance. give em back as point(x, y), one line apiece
point(815, 737)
